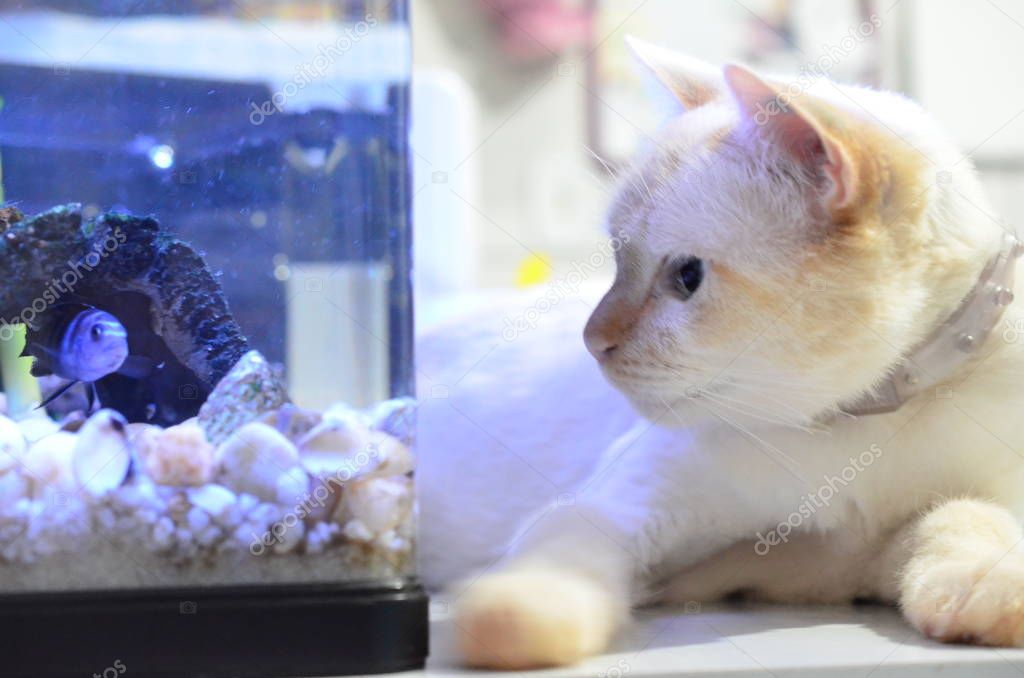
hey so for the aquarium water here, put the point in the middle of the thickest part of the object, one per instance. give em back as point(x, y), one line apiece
point(205, 247)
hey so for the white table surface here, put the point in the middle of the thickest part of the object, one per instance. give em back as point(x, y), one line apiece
point(764, 641)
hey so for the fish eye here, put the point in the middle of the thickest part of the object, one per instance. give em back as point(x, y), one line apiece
point(97, 332)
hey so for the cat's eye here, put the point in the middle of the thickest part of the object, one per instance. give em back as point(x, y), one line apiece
point(687, 275)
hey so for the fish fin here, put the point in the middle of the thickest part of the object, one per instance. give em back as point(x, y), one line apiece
point(48, 352)
point(77, 305)
point(94, 397)
point(136, 367)
point(44, 359)
point(56, 394)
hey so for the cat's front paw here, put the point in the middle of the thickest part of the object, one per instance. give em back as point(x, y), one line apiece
point(968, 601)
point(522, 619)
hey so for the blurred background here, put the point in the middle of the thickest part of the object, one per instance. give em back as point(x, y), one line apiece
point(534, 89)
point(295, 141)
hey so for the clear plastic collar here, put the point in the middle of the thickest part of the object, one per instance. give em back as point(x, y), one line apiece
point(953, 343)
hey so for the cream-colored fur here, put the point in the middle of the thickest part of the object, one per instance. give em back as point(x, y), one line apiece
point(836, 234)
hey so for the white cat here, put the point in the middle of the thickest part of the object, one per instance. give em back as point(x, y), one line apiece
point(782, 262)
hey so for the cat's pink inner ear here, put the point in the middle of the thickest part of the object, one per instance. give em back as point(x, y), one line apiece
point(691, 81)
point(797, 132)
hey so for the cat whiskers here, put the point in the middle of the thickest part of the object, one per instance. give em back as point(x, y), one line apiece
point(760, 413)
point(647, 188)
point(769, 380)
point(760, 442)
point(636, 180)
point(814, 402)
point(750, 383)
point(776, 392)
point(666, 381)
point(604, 163)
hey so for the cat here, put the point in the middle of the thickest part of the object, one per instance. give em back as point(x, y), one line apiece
point(785, 257)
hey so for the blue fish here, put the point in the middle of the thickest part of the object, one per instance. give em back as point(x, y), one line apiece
point(85, 346)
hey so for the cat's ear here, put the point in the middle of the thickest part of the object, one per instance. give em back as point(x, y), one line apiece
point(691, 82)
point(796, 130)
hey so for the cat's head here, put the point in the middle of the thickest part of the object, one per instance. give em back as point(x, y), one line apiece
point(780, 246)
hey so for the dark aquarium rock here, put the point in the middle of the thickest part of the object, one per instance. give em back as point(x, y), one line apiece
point(159, 288)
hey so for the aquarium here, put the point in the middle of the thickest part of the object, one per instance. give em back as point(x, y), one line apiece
point(208, 418)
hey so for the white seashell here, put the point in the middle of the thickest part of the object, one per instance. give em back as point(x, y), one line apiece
point(197, 519)
point(143, 438)
point(395, 457)
point(377, 455)
point(335, 435)
point(138, 494)
point(314, 546)
point(288, 535)
point(48, 465)
point(12, 444)
point(253, 458)
point(184, 542)
point(232, 517)
point(216, 500)
point(37, 426)
point(319, 537)
point(242, 538)
point(209, 536)
point(179, 455)
point(163, 533)
point(103, 453)
point(390, 542)
point(26, 508)
point(247, 502)
point(292, 487)
point(107, 519)
point(346, 414)
point(324, 494)
point(291, 421)
point(396, 417)
point(13, 487)
point(72, 422)
point(379, 504)
point(356, 530)
point(264, 515)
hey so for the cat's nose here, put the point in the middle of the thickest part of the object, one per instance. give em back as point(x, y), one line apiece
point(600, 347)
point(608, 327)
point(601, 340)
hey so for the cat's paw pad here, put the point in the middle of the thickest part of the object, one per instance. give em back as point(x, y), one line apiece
point(969, 602)
point(533, 618)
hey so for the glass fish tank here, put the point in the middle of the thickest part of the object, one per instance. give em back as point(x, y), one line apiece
point(207, 417)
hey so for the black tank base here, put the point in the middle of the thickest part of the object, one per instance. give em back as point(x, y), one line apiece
point(217, 632)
